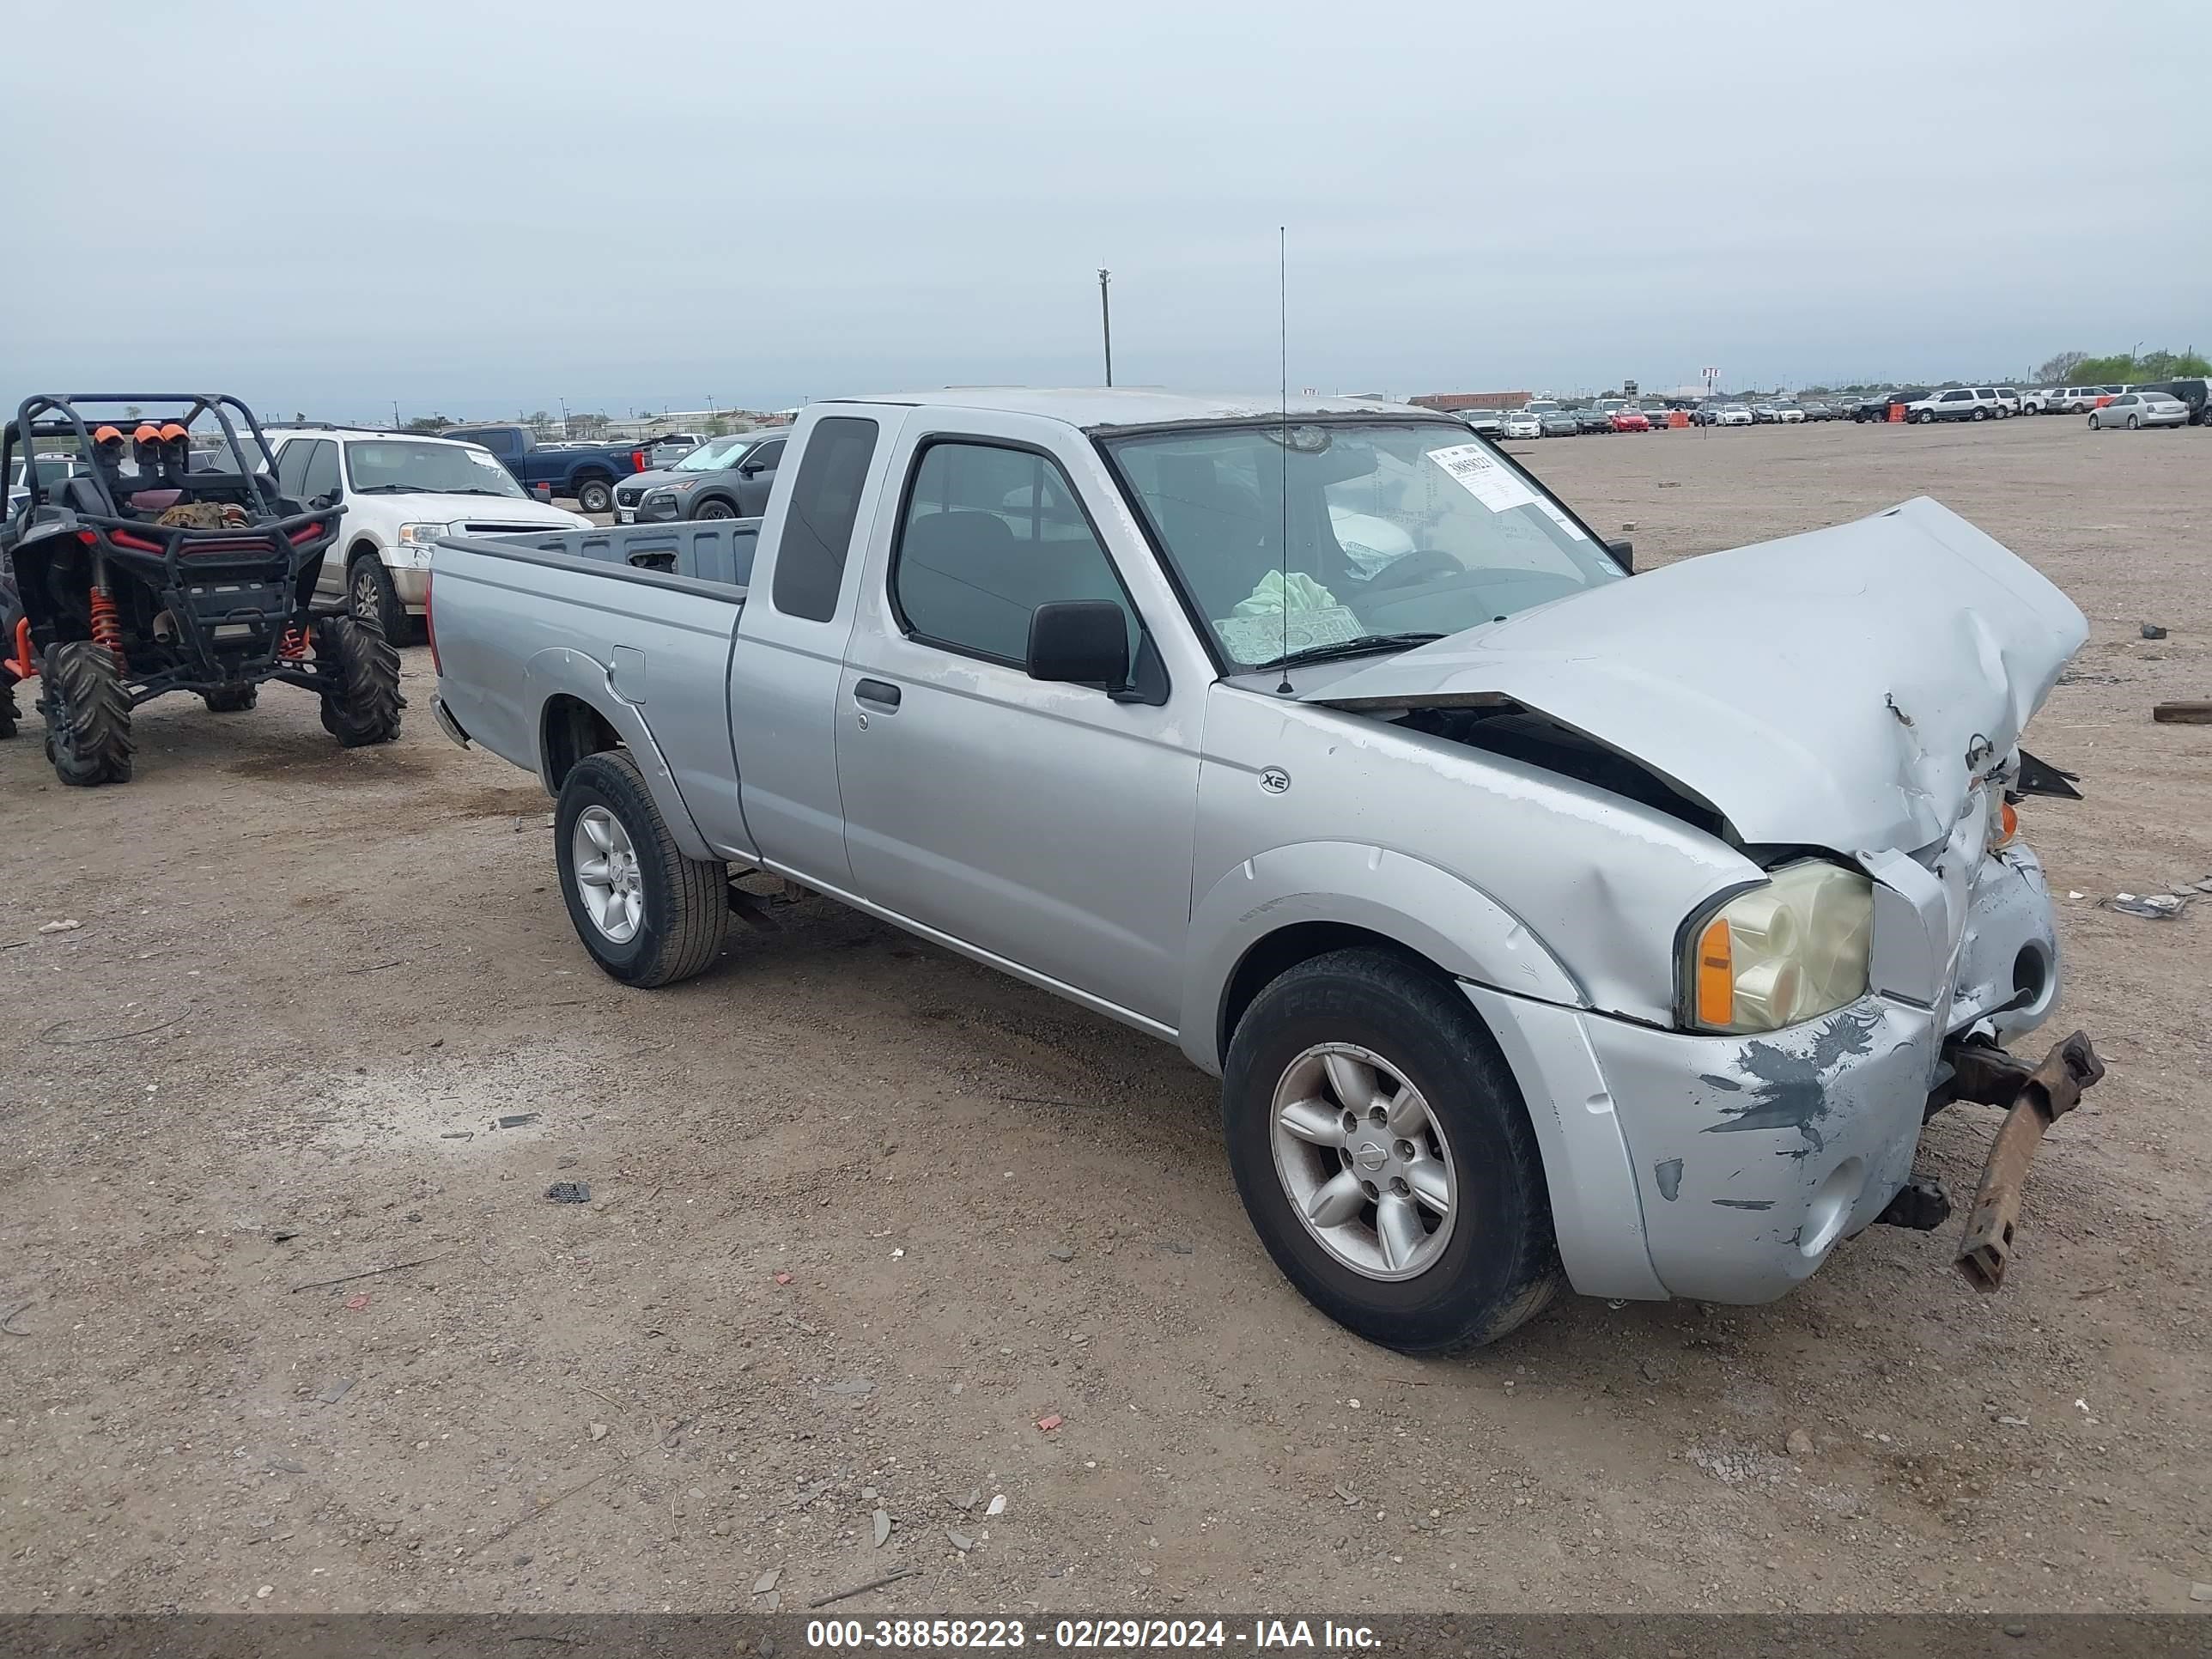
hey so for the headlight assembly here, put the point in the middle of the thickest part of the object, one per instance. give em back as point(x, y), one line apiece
point(1788, 949)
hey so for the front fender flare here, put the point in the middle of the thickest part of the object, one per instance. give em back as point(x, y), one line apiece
point(1447, 920)
point(559, 671)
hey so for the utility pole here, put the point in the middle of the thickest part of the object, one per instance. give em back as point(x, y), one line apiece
point(395, 414)
point(1106, 321)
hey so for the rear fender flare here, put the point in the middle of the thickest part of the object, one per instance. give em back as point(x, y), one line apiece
point(1451, 923)
point(559, 671)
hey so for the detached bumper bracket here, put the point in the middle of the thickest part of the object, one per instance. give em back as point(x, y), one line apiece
point(2038, 1100)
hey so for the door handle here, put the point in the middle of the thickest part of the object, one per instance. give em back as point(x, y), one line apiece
point(881, 693)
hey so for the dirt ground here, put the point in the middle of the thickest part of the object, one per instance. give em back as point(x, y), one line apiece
point(862, 1213)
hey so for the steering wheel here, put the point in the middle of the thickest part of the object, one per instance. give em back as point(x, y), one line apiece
point(1422, 564)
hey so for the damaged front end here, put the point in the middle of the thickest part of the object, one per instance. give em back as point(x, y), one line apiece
point(1844, 709)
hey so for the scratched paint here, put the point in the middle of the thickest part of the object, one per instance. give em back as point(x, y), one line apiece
point(1789, 1086)
point(1745, 1203)
point(1669, 1176)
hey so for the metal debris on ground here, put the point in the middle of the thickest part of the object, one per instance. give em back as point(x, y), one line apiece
point(883, 1527)
point(2152, 631)
point(569, 1192)
point(69, 926)
point(960, 1541)
point(2182, 713)
point(517, 1119)
point(766, 1582)
point(1060, 1253)
point(2153, 907)
point(335, 1390)
point(998, 1504)
point(963, 1504)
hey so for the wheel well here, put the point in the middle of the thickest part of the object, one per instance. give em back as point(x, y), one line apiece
point(1285, 948)
point(573, 729)
point(362, 547)
point(584, 475)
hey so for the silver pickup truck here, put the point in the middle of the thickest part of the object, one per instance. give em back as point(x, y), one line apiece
point(1543, 924)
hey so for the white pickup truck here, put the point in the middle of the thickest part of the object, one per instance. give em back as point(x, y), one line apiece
point(1543, 924)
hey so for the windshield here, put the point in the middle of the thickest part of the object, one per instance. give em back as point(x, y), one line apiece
point(1395, 529)
point(715, 455)
point(395, 466)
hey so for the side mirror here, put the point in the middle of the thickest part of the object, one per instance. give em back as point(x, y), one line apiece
point(1623, 554)
point(1082, 641)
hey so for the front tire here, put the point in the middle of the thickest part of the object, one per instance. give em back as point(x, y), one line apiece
point(1383, 1153)
point(2095, 423)
point(370, 592)
point(595, 495)
point(715, 510)
point(87, 711)
point(361, 702)
point(1925, 417)
point(649, 916)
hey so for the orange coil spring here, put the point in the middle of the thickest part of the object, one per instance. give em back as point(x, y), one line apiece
point(292, 648)
point(106, 627)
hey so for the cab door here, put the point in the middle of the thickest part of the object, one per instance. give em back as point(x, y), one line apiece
point(1048, 826)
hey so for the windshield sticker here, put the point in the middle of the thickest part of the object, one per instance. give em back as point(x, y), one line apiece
point(1263, 638)
point(1477, 471)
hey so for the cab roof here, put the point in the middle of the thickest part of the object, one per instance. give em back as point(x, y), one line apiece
point(1095, 408)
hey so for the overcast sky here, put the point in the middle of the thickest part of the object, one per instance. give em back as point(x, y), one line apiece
point(480, 208)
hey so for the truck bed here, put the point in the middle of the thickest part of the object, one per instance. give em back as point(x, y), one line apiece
point(716, 550)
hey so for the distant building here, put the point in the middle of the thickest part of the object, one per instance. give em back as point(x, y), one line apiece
point(1452, 402)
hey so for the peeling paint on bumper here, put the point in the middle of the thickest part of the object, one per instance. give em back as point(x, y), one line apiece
point(1752, 1157)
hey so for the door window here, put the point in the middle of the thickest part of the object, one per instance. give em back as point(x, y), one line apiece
point(989, 534)
point(322, 474)
point(818, 525)
point(292, 467)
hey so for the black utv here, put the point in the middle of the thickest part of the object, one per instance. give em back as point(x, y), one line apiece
point(167, 561)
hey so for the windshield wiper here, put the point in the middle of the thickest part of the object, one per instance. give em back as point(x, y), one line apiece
point(1336, 650)
point(389, 490)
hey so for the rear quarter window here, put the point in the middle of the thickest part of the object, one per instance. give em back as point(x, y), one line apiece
point(817, 523)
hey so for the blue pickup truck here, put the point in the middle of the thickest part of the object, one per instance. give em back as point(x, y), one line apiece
point(583, 472)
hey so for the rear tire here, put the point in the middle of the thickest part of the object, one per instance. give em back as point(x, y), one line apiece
point(87, 713)
point(1460, 1281)
point(1981, 414)
point(231, 699)
point(2133, 423)
point(681, 905)
point(361, 704)
point(10, 714)
point(595, 495)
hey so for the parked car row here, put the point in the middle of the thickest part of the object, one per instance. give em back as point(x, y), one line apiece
point(1547, 418)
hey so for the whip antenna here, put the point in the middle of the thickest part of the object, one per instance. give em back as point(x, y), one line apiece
point(1283, 362)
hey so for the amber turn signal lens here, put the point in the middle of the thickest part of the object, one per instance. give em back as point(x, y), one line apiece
point(1716, 975)
point(2008, 824)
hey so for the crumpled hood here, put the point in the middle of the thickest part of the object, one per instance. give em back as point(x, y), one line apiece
point(1839, 689)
